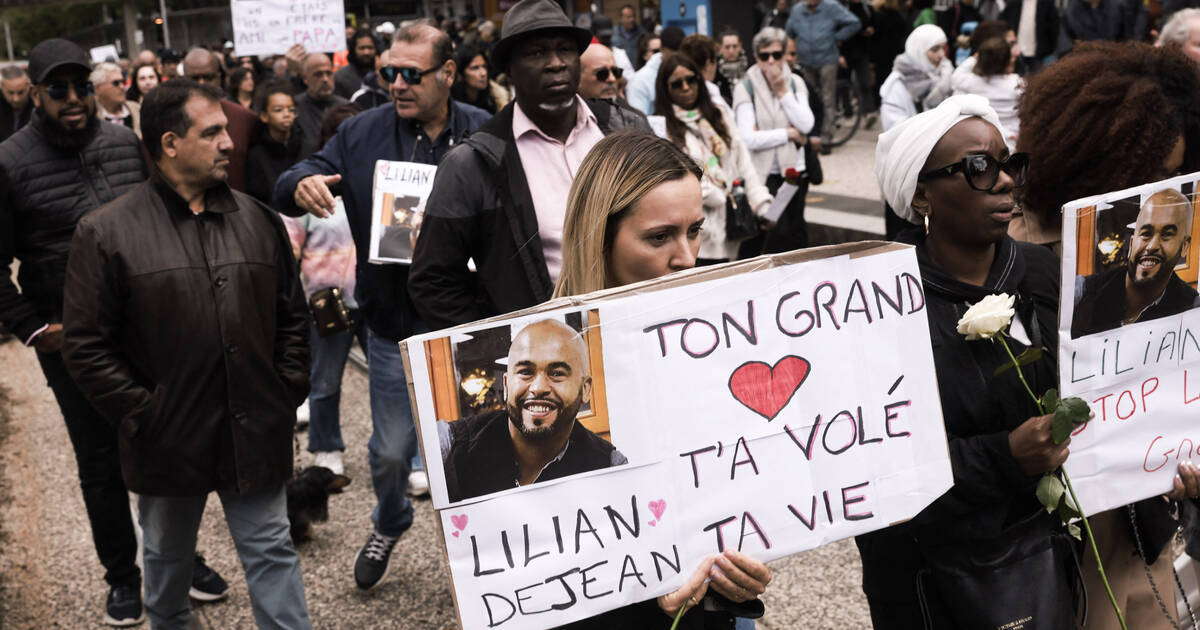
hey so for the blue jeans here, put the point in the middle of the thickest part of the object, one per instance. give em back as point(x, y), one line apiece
point(258, 524)
point(329, 356)
point(392, 448)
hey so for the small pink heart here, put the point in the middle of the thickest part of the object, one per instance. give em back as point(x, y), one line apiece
point(455, 534)
point(459, 521)
point(653, 523)
point(658, 507)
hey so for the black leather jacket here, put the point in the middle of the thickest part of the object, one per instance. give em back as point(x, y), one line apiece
point(189, 332)
point(44, 191)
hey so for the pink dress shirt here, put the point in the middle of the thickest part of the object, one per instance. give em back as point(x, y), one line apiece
point(550, 166)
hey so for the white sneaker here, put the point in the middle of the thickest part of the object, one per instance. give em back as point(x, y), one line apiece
point(331, 460)
point(418, 483)
point(302, 413)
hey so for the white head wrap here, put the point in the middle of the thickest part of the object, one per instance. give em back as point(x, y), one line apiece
point(902, 150)
point(919, 42)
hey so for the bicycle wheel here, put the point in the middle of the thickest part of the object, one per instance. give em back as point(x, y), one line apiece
point(848, 114)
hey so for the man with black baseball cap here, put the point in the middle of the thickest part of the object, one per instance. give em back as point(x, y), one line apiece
point(547, 129)
point(62, 165)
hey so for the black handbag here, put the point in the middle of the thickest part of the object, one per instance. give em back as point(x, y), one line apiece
point(1027, 579)
point(329, 311)
point(740, 222)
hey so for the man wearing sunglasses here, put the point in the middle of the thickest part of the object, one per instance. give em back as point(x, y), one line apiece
point(501, 198)
point(422, 126)
point(62, 165)
point(111, 105)
point(819, 27)
point(600, 76)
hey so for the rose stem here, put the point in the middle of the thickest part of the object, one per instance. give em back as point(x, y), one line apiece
point(1095, 551)
point(1020, 374)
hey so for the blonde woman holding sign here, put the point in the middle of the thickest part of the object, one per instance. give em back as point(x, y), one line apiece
point(635, 213)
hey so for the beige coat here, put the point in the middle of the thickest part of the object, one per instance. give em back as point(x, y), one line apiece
point(736, 164)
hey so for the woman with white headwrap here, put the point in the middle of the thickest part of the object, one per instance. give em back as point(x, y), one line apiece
point(949, 174)
point(920, 77)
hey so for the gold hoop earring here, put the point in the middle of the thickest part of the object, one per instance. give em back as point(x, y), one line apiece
point(927, 225)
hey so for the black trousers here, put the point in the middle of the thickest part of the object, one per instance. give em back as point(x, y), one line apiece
point(104, 493)
point(790, 232)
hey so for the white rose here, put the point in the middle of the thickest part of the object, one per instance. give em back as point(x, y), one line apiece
point(987, 317)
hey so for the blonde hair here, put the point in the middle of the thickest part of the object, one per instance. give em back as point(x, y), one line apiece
point(620, 170)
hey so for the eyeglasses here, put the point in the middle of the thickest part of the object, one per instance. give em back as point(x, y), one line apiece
point(58, 89)
point(602, 73)
point(679, 84)
point(117, 83)
point(767, 56)
point(411, 76)
point(983, 171)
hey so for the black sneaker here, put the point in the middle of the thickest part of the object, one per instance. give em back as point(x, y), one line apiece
point(207, 585)
point(371, 563)
point(124, 606)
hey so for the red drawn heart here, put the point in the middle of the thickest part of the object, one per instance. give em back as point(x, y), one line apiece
point(766, 390)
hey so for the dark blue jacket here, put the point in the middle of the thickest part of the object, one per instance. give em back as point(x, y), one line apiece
point(376, 134)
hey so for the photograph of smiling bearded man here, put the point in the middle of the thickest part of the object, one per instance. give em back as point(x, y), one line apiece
point(1146, 287)
point(535, 437)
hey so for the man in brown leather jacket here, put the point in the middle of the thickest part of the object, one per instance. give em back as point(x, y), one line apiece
point(185, 326)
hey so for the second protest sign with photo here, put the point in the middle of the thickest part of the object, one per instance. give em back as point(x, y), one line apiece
point(1129, 338)
point(589, 453)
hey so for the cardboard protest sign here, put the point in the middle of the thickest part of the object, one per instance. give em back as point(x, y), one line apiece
point(398, 196)
point(1129, 338)
point(770, 406)
point(269, 27)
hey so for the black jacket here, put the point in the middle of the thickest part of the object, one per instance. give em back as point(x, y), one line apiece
point(268, 159)
point(1045, 24)
point(310, 115)
point(1101, 304)
point(479, 457)
point(348, 79)
point(190, 334)
point(44, 191)
point(11, 121)
point(990, 492)
point(481, 209)
point(370, 95)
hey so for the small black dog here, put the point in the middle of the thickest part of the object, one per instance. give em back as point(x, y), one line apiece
point(308, 499)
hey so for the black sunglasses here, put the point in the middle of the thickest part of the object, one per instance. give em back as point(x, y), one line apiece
point(602, 73)
point(678, 84)
point(767, 56)
point(411, 76)
point(58, 89)
point(204, 78)
point(983, 171)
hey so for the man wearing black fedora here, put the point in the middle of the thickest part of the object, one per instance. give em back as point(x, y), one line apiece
point(484, 206)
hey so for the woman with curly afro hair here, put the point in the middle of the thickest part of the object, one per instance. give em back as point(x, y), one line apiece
point(1105, 117)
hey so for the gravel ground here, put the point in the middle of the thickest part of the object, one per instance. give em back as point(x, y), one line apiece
point(50, 577)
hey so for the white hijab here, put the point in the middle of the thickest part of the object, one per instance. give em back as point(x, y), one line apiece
point(919, 42)
point(902, 150)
